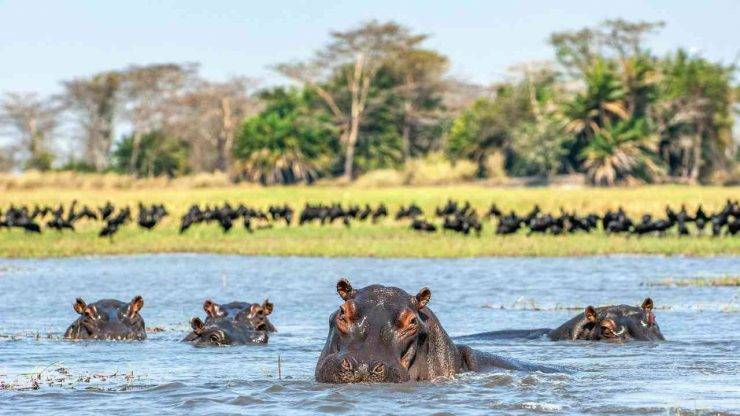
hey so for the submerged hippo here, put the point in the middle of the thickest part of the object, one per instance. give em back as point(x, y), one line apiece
point(252, 314)
point(108, 319)
point(383, 334)
point(618, 323)
point(224, 332)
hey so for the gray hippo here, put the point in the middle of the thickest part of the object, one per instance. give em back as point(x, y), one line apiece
point(224, 332)
point(384, 334)
point(252, 314)
point(620, 323)
point(108, 319)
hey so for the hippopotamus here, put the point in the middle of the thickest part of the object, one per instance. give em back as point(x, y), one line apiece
point(619, 323)
point(252, 314)
point(108, 319)
point(383, 334)
point(224, 332)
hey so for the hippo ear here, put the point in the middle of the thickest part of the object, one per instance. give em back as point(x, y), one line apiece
point(79, 306)
point(344, 288)
point(422, 298)
point(590, 313)
point(647, 304)
point(135, 306)
point(211, 308)
point(267, 306)
point(197, 325)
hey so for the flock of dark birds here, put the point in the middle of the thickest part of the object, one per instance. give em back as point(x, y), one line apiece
point(452, 216)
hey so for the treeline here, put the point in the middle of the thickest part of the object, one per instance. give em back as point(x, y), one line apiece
point(376, 97)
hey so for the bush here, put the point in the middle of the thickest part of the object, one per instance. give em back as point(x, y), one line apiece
point(158, 155)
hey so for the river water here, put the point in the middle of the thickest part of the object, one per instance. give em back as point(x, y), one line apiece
point(696, 371)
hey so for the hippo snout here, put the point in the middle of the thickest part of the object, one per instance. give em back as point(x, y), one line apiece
point(345, 368)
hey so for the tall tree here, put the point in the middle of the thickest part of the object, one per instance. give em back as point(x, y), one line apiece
point(420, 84)
point(358, 54)
point(94, 102)
point(33, 121)
point(150, 92)
point(694, 115)
point(209, 115)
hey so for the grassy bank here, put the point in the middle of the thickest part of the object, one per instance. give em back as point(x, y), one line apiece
point(388, 239)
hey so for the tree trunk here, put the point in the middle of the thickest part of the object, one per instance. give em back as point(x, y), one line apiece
point(349, 154)
point(406, 131)
point(695, 169)
point(34, 139)
point(135, 144)
point(358, 98)
point(225, 138)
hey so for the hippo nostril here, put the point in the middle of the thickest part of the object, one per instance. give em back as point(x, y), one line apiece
point(378, 369)
point(346, 364)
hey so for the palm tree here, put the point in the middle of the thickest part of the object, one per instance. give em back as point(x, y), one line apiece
point(601, 102)
point(620, 151)
point(270, 167)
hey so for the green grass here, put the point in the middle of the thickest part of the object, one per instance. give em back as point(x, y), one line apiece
point(388, 239)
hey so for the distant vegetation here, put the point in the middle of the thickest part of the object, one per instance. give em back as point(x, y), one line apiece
point(376, 99)
point(701, 281)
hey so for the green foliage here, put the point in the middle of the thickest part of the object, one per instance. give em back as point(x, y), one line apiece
point(623, 150)
point(538, 147)
point(291, 140)
point(485, 127)
point(41, 160)
point(694, 112)
point(78, 166)
point(158, 154)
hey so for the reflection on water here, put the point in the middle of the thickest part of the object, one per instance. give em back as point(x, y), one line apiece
point(695, 371)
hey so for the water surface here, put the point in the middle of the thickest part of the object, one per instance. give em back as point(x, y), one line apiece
point(695, 371)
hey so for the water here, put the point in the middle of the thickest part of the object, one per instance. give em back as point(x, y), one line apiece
point(696, 371)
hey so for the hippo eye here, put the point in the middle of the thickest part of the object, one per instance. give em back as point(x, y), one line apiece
point(607, 332)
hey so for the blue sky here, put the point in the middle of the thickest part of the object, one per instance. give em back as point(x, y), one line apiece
point(43, 42)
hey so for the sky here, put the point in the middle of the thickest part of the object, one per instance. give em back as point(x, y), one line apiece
point(44, 42)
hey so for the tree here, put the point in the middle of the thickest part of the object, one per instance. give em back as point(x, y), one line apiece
point(487, 126)
point(622, 150)
point(291, 140)
point(33, 120)
point(612, 40)
point(209, 116)
point(694, 115)
point(419, 75)
point(158, 154)
point(538, 143)
point(150, 93)
point(357, 55)
point(94, 101)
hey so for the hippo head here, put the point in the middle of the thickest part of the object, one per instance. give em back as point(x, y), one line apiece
point(256, 316)
point(383, 334)
point(621, 323)
point(108, 319)
point(223, 332)
point(252, 314)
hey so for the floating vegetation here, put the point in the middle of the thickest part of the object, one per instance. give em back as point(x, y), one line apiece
point(699, 281)
point(55, 375)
